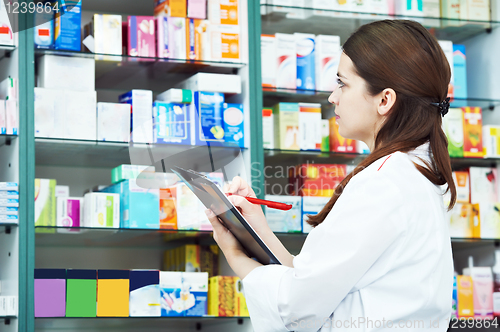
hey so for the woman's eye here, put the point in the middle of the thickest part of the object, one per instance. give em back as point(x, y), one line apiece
point(340, 83)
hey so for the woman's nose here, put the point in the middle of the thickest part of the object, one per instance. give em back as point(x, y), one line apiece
point(334, 98)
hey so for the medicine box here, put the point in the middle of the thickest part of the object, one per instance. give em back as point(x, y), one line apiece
point(162, 37)
point(460, 74)
point(225, 43)
point(101, 210)
point(306, 54)
point(197, 9)
point(177, 43)
point(170, 290)
point(113, 122)
point(145, 293)
point(310, 126)
point(223, 12)
point(461, 220)
point(183, 293)
point(240, 300)
point(327, 55)
point(128, 172)
point(3, 119)
point(171, 123)
point(268, 128)
point(80, 115)
point(9, 195)
point(269, 62)
point(9, 211)
point(141, 36)
point(66, 73)
point(141, 123)
point(45, 202)
point(62, 191)
point(473, 134)
point(431, 8)
point(410, 8)
point(69, 212)
point(475, 10)
point(44, 28)
point(233, 124)
point(50, 293)
point(286, 57)
point(210, 82)
point(315, 179)
point(311, 206)
point(12, 117)
point(286, 126)
point(190, 210)
point(68, 23)
point(81, 293)
point(453, 127)
point(208, 118)
point(450, 9)
point(465, 296)
point(6, 33)
point(484, 191)
point(197, 39)
point(49, 113)
point(179, 96)
point(174, 8)
point(491, 141)
point(461, 179)
point(285, 221)
point(113, 293)
point(447, 47)
point(9, 186)
point(138, 205)
point(339, 143)
point(168, 210)
point(9, 219)
point(221, 296)
point(107, 32)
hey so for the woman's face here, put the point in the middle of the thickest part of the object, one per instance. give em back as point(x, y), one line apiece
point(357, 111)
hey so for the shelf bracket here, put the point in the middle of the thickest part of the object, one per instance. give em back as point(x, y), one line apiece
point(7, 321)
point(240, 321)
point(489, 30)
point(7, 229)
point(491, 107)
point(198, 326)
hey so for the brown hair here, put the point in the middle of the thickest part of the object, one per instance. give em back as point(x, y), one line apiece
point(404, 56)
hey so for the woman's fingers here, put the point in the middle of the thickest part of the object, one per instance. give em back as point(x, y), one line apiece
point(240, 202)
point(240, 187)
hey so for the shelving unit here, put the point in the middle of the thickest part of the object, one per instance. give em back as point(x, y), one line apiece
point(83, 164)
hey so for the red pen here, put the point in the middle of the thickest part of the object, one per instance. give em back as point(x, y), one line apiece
point(270, 204)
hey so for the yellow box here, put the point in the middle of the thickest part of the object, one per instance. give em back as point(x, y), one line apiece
point(225, 42)
point(174, 8)
point(197, 39)
point(113, 292)
point(473, 132)
point(221, 296)
point(476, 217)
point(465, 297)
point(240, 300)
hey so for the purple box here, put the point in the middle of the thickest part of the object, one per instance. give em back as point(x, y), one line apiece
point(69, 212)
point(50, 293)
point(141, 36)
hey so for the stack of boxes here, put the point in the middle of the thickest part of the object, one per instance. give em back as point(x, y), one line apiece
point(9, 203)
point(226, 298)
point(132, 293)
point(192, 258)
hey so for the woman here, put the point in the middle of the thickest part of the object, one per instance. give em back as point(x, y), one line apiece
point(379, 256)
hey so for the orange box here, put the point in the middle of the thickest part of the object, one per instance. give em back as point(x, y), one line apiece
point(225, 42)
point(339, 143)
point(315, 179)
point(473, 132)
point(197, 39)
point(221, 296)
point(113, 292)
point(168, 212)
point(223, 12)
point(465, 297)
point(476, 224)
point(174, 8)
point(463, 188)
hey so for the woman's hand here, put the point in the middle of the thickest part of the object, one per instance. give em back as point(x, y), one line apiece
point(251, 212)
point(232, 249)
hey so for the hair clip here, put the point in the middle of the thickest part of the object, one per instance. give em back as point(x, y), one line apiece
point(444, 106)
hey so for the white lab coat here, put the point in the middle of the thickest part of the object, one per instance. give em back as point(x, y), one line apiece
point(380, 261)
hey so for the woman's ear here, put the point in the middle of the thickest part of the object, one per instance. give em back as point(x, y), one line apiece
point(386, 100)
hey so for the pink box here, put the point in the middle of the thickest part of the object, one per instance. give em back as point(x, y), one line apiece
point(162, 37)
point(197, 9)
point(141, 36)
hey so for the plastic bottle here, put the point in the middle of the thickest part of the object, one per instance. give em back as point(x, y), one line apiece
point(496, 284)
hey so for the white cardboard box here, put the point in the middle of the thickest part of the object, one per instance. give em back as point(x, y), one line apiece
point(208, 82)
point(113, 122)
point(101, 210)
point(328, 53)
point(268, 60)
point(286, 57)
point(80, 115)
point(66, 73)
point(49, 113)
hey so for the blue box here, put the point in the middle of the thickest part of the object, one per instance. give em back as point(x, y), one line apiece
point(139, 207)
point(460, 75)
point(68, 25)
point(171, 123)
point(306, 69)
point(44, 28)
point(234, 119)
point(207, 118)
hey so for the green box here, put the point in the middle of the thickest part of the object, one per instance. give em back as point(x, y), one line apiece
point(454, 129)
point(81, 293)
point(286, 126)
point(45, 204)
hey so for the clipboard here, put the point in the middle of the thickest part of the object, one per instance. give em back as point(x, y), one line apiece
point(213, 198)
